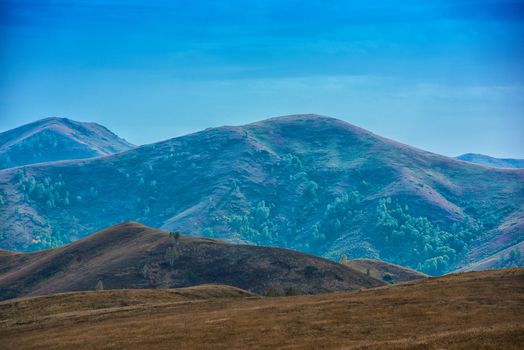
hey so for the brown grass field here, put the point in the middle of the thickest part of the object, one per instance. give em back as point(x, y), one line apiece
point(474, 310)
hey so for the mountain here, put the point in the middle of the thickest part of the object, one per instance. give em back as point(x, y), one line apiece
point(131, 255)
point(474, 310)
point(492, 162)
point(384, 271)
point(53, 139)
point(304, 182)
point(512, 256)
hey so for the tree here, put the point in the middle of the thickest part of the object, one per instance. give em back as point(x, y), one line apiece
point(291, 292)
point(171, 254)
point(387, 278)
point(273, 291)
point(99, 285)
point(145, 271)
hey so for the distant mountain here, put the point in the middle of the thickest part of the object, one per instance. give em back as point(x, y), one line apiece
point(305, 182)
point(131, 255)
point(512, 256)
point(492, 162)
point(53, 139)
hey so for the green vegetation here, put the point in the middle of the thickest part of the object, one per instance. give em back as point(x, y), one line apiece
point(254, 225)
point(277, 291)
point(513, 259)
point(415, 242)
point(99, 285)
point(48, 193)
point(171, 255)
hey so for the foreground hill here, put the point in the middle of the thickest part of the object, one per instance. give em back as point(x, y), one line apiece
point(54, 139)
point(304, 182)
point(131, 255)
point(475, 310)
point(491, 161)
point(384, 271)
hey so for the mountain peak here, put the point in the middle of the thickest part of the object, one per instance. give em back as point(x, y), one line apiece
point(57, 138)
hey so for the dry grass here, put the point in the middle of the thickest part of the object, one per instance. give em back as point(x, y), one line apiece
point(477, 310)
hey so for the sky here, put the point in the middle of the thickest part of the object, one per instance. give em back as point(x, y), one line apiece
point(442, 75)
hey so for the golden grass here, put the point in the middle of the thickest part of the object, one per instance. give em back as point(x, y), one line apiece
point(477, 310)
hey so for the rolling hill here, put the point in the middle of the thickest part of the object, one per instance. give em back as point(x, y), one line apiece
point(131, 255)
point(53, 139)
point(474, 310)
point(383, 271)
point(491, 161)
point(304, 182)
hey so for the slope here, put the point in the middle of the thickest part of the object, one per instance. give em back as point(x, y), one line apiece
point(53, 139)
point(491, 161)
point(304, 182)
point(384, 271)
point(131, 255)
point(475, 310)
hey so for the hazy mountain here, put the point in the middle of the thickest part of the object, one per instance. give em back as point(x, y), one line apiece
point(305, 182)
point(131, 255)
point(54, 139)
point(512, 256)
point(492, 162)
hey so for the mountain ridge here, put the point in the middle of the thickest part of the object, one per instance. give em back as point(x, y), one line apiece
point(56, 139)
point(507, 163)
point(311, 183)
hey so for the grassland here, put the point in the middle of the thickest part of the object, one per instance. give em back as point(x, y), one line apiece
point(474, 310)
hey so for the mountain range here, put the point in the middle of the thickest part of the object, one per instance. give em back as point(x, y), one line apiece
point(491, 161)
point(53, 139)
point(305, 182)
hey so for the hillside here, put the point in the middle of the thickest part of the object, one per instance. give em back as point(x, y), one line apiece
point(510, 257)
point(131, 255)
point(475, 310)
point(491, 161)
point(384, 271)
point(53, 139)
point(304, 182)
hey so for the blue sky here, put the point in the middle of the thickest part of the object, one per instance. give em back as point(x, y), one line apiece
point(446, 76)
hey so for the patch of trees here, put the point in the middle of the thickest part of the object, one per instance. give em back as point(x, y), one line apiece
point(277, 291)
point(512, 259)
point(253, 225)
point(340, 213)
point(416, 242)
point(48, 192)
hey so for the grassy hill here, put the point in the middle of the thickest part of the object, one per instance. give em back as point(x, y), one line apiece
point(384, 271)
point(474, 310)
point(304, 182)
point(53, 139)
point(131, 255)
